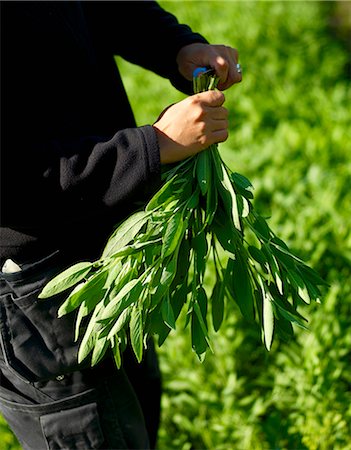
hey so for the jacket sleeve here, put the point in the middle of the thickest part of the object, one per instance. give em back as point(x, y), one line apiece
point(69, 143)
point(80, 177)
point(145, 34)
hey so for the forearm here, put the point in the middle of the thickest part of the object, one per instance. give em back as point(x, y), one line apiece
point(144, 34)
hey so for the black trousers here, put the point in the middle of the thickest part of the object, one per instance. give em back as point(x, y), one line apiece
point(51, 403)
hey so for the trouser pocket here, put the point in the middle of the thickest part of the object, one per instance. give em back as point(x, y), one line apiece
point(71, 423)
point(75, 428)
point(36, 344)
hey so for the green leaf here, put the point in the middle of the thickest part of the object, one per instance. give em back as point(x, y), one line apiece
point(217, 302)
point(242, 185)
point(136, 331)
point(137, 247)
point(198, 339)
point(193, 201)
point(168, 272)
point(99, 350)
point(313, 291)
point(126, 296)
point(285, 258)
point(117, 355)
point(203, 171)
point(258, 256)
point(224, 232)
point(244, 206)
point(211, 202)
point(278, 275)
point(178, 299)
point(312, 276)
point(86, 347)
point(200, 305)
point(91, 292)
point(288, 311)
point(125, 233)
point(157, 326)
point(114, 270)
point(226, 190)
point(268, 321)
point(66, 279)
point(82, 312)
point(173, 234)
point(283, 327)
point(262, 228)
point(165, 280)
point(200, 248)
point(200, 311)
point(162, 195)
point(90, 336)
point(295, 278)
point(167, 313)
point(183, 264)
point(120, 323)
point(242, 288)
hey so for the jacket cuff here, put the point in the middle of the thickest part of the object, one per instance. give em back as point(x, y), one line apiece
point(152, 162)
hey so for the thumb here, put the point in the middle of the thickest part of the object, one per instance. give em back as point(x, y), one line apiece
point(212, 98)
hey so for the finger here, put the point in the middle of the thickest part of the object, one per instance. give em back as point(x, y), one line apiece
point(218, 113)
point(211, 98)
point(221, 66)
point(219, 135)
point(219, 124)
point(234, 73)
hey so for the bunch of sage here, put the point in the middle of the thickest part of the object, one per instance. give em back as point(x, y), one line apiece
point(154, 265)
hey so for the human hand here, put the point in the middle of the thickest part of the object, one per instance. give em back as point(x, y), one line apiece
point(191, 125)
point(221, 58)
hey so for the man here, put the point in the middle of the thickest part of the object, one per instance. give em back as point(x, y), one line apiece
point(73, 165)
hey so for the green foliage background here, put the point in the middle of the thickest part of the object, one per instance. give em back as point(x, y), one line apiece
point(289, 122)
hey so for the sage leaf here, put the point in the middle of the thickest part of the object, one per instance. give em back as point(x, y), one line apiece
point(203, 171)
point(66, 279)
point(117, 355)
point(283, 327)
point(268, 321)
point(261, 227)
point(125, 233)
point(174, 231)
point(312, 276)
point(200, 247)
point(120, 323)
point(257, 255)
point(136, 332)
point(126, 296)
point(288, 312)
point(227, 191)
point(162, 195)
point(199, 342)
point(91, 292)
point(242, 185)
point(224, 233)
point(167, 313)
point(99, 350)
point(217, 302)
point(242, 288)
point(82, 312)
point(89, 338)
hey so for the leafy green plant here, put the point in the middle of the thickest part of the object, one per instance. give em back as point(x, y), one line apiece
point(156, 261)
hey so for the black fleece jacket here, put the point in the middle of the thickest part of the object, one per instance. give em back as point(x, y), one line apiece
point(73, 162)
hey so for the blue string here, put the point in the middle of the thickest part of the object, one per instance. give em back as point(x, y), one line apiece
point(199, 70)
